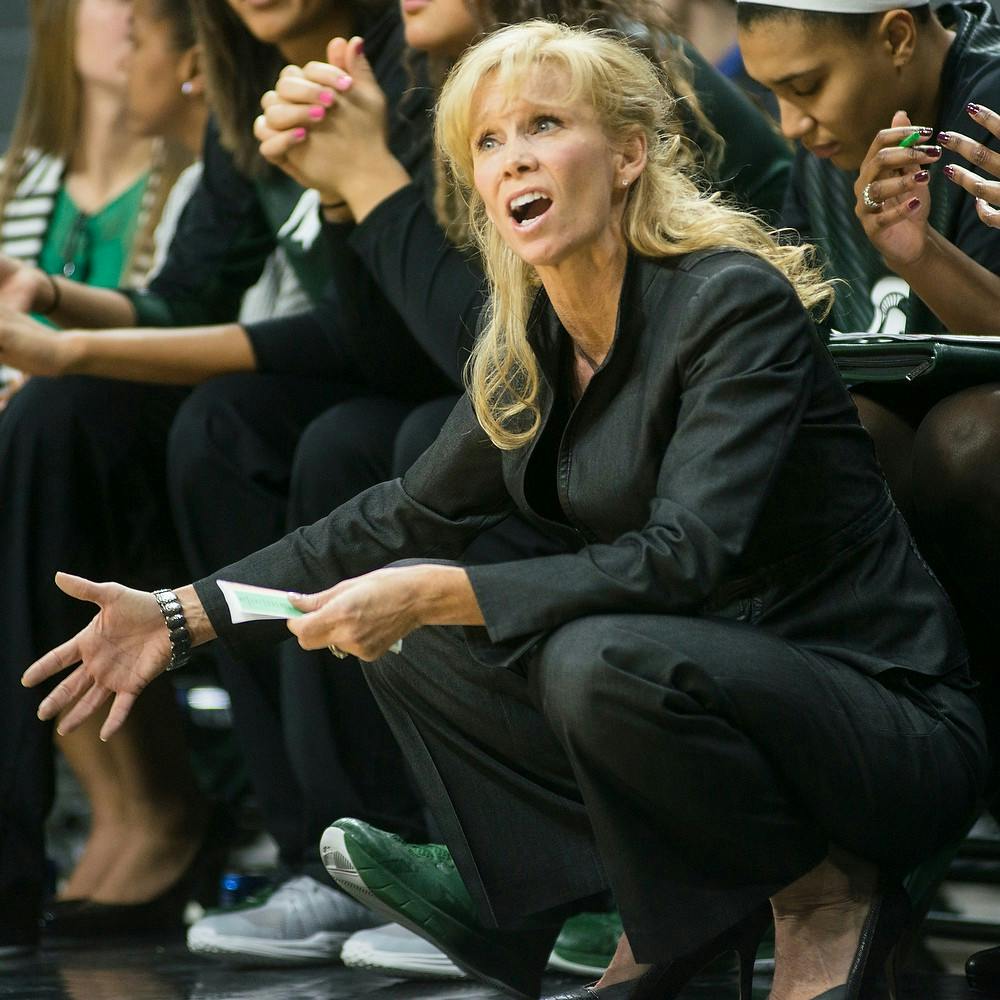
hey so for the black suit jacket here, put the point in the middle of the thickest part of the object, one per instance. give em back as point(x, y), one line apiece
point(715, 465)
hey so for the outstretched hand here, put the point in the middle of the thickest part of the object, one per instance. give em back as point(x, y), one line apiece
point(124, 647)
point(986, 193)
point(896, 212)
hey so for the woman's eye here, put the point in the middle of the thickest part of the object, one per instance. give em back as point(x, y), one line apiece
point(486, 143)
point(546, 124)
point(805, 90)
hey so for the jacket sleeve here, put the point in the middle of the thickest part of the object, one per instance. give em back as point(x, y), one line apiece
point(218, 250)
point(439, 289)
point(746, 374)
point(452, 493)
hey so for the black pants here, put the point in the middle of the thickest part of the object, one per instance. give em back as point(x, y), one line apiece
point(694, 765)
point(81, 489)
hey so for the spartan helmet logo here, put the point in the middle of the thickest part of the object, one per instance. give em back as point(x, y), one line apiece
point(889, 296)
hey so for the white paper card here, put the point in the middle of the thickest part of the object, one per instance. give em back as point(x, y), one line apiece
point(248, 603)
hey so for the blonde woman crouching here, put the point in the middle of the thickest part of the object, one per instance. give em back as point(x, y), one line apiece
point(739, 692)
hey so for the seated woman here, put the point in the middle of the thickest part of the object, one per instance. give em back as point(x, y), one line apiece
point(81, 193)
point(104, 440)
point(968, 300)
point(893, 227)
point(648, 386)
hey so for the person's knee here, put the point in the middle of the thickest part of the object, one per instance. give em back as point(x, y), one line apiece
point(957, 452)
point(401, 676)
point(208, 419)
point(335, 438)
point(50, 407)
point(418, 431)
point(569, 675)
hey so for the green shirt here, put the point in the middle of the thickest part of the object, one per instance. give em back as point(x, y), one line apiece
point(92, 249)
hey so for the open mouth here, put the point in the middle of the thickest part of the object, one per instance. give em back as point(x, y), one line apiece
point(528, 207)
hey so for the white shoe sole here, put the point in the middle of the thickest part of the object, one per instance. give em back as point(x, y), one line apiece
point(406, 965)
point(557, 964)
point(321, 948)
point(337, 861)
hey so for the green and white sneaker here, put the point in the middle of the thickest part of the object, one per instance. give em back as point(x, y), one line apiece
point(586, 944)
point(418, 886)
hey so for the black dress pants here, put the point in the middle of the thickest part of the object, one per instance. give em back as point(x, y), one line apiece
point(694, 765)
point(81, 489)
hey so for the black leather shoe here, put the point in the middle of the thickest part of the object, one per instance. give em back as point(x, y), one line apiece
point(873, 972)
point(982, 970)
point(59, 909)
point(82, 919)
point(663, 982)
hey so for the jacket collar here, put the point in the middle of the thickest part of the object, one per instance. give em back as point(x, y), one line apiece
point(546, 334)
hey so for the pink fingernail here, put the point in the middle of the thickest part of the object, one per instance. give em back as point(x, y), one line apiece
point(299, 133)
point(344, 83)
point(316, 112)
point(326, 98)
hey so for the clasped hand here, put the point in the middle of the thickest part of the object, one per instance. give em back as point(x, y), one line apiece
point(325, 123)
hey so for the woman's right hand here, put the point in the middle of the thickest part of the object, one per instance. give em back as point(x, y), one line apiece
point(23, 287)
point(895, 181)
point(124, 647)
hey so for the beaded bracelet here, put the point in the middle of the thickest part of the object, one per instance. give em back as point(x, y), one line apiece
point(177, 630)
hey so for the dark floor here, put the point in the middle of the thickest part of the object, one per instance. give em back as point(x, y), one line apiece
point(151, 971)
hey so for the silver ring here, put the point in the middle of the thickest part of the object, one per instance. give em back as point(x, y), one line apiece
point(870, 203)
point(339, 653)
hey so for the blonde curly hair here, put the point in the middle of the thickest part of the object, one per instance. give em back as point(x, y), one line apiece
point(666, 213)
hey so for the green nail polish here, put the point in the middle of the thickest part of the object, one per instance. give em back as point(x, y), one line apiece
point(910, 140)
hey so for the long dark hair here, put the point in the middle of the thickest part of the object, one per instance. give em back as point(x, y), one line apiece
point(181, 18)
point(238, 69)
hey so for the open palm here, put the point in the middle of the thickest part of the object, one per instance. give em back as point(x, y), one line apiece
point(124, 647)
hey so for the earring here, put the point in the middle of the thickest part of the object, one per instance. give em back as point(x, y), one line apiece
point(187, 88)
point(625, 182)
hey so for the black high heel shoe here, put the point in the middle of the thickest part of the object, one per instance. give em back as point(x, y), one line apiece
point(86, 919)
point(873, 971)
point(664, 982)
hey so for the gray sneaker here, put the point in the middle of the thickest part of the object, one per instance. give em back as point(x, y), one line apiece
point(395, 951)
point(302, 922)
